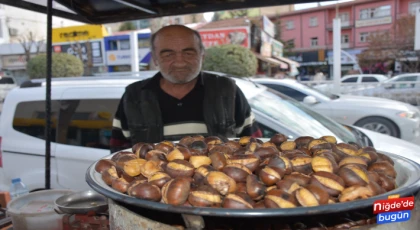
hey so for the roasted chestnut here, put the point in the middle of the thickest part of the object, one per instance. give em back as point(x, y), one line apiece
point(332, 183)
point(249, 160)
point(255, 188)
point(132, 167)
point(355, 192)
point(179, 153)
point(278, 138)
point(237, 172)
point(176, 191)
point(159, 179)
point(302, 164)
point(221, 182)
point(353, 175)
point(141, 148)
point(104, 164)
point(279, 199)
point(205, 196)
point(238, 201)
point(269, 176)
point(324, 163)
point(288, 145)
point(384, 167)
point(179, 168)
point(311, 195)
point(145, 191)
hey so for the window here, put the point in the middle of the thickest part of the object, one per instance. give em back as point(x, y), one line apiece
point(266, 131)
point(290, 25)
point(350, 80)
point(344, 17)
point(369, 79)
point(378, 12)
point(144, 43)
point(113, 45)
point(29, 118)
point(124, 44)
point(412, 7)
point(86, 123)
point(6, 80)
point(297, 95)
point(345, 39)
point(364, 37)
point(314, 42)
point(291, 43)
point(313, 21)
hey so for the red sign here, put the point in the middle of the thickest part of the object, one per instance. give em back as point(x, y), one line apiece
point(214, 37)
point(393, 205)
point(57, 49)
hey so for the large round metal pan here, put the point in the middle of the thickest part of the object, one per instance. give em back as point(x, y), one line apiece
point(408, 182)
point(82, 202)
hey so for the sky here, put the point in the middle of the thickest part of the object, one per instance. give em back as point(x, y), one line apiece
point(310, 5)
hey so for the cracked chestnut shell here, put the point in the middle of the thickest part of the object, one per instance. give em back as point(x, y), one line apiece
point(355, 192)
point(278, 138)
point(302, 164)
point(354, 175)
point(329, 139)
point(324, 163)
point(132, 167)
point(146, 191)
point(266, 152)
point(213, 140)
point(199, 148)
point(386, 182)
point(279, 199)
point(149, 168)
point(120, 185)
point(104, 164)
point(299, 178)
point(176, 191)
point(384, 167)
point(332, 183)
point(316, 142)
point(109, 175)
point(204, 196)
point(141, 148)
point(303, 141)
point(123, 158)
point(221, 182)
point(243, 141)
point(180, 153)
point(233, 145)
point(254, 187)
point(248, 160)
point(352, 160)
point(287, 145)
point(201, 173)
point(252, 146)
point(198, 161)
point(290, 154)
point(218, 160)
point(159, 179)
point(165, 147)
point(238, 201)
point(346, 149)
point(383, 157)
point(282, 165)
point(119, 154)
point(288, 186)
point(269, 176)
point(311, 195)
point(179, 168)
point(237, 172)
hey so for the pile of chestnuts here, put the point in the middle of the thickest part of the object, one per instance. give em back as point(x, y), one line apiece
point(247, 173)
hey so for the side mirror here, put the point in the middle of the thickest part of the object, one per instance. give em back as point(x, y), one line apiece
point(310, 100)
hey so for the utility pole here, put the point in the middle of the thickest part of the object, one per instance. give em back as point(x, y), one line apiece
point(417, 30)
point(337, 52)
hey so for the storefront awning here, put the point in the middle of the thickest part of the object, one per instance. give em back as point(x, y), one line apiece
point(288, 61)
point(272, 61)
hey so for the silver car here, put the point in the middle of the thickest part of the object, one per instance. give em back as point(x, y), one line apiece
point(386, 116)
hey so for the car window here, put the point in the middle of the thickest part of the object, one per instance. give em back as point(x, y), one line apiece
point(407, 78)
point(86, 123)
point(6, 80)
point(297, 95)
point(294, 115)
point(369, 79)
point(350, 79)
point(266, 131)
point(29, 118)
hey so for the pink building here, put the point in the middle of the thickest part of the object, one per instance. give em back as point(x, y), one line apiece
point(310, 31)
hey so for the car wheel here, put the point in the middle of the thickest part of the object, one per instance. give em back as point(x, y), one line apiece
point(380, 125)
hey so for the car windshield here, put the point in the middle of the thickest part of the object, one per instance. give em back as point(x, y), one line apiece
point(295, 116)
point(318, 93)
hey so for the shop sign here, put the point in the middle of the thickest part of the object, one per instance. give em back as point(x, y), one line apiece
point(14, 61)
point(276, 48)
point(75, 48)
point(265, 49)
point(347, 56)
point(123, 57)
point(222, 36)
point(78, 33)
point(268, 26)
point(373, 22)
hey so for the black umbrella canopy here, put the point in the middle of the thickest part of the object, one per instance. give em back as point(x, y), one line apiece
point(107, 11)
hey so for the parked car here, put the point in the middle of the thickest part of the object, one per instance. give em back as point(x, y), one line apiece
point(386, 116)
point(6, 84)
point(82, 113)
point(354, 82)
point(403, 87)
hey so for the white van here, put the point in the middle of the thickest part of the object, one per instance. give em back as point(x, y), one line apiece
point(82, 113)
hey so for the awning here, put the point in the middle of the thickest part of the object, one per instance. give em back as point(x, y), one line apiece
point(272, 61)
point(146, 59)
point(288, 61)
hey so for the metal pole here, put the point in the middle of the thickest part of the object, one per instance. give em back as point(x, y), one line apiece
point(417, 30)
point(48, 98)
point(337, 53)
point(134, 50)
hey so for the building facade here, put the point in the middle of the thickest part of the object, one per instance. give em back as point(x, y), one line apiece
point(310, 31)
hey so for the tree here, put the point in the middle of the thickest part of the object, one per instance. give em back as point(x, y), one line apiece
point(127, 26)
point(63, 65)
point(387, 46)
point(231, 59)
point(84, 52)
point(28, 41)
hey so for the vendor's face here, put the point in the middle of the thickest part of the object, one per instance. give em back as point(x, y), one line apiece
point(178, 55)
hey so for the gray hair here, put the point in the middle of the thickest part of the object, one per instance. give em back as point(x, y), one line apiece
point(195, 32)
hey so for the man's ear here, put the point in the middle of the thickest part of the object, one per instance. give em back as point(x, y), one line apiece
point(154, 60)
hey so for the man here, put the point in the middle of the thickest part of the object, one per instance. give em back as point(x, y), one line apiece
point(180, 100)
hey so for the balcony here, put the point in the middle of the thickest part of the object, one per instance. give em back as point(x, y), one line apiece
point(343, 45)
point(344, 25)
